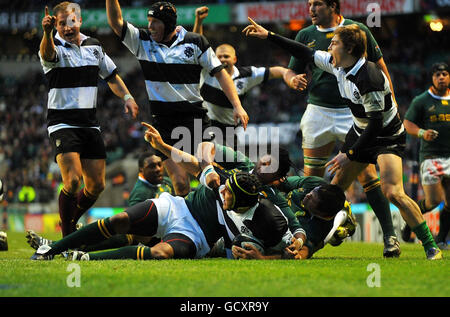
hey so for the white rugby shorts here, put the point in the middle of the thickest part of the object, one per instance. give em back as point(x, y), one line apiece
point(432, 170)
point(174, 217)
point(321, 125)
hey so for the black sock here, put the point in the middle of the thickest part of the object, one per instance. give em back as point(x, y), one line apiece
point(444, 224)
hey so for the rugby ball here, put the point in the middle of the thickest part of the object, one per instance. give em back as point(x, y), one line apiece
point(244, 240)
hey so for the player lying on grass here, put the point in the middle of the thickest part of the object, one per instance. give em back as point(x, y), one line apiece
point(378, 135)
point(271, 170)
point(231, 162)
point(188, 227)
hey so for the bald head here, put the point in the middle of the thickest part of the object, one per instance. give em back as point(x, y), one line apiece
point(227, 55)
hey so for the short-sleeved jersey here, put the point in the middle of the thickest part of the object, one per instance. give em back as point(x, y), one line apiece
point(366, 91)
point(143, 190)
point(219, 107)
point(429, 111)
point(73, 82)
point(296, 188)
point(322, 89)
point(172, 74)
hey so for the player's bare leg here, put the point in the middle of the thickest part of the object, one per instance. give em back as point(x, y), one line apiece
point(391, 174)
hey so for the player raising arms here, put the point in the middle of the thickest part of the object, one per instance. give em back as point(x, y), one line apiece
point(171, 60)
point(378, 135)
point(220, 110)
point(72, 63)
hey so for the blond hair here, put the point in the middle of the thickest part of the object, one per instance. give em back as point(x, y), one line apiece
point(66, 6)
point(354, 39)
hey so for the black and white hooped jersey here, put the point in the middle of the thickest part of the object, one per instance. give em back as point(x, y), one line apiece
point(172, 74)
point(366, 89)
point(219, 107)
point(73, 82)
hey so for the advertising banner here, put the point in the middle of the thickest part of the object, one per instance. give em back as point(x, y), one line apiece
point(273, 12)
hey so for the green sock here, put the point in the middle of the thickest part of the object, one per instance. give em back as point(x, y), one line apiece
point(116, 241)
point(132, 252)
point(423, 233)
point(380, 206)
point(93, 233)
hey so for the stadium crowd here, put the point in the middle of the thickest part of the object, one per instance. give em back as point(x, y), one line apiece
point(25, 153)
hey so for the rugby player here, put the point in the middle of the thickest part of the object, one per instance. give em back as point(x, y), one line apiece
point(378, 135)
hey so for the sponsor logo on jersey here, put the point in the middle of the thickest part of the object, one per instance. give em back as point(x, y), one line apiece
point(311, 44)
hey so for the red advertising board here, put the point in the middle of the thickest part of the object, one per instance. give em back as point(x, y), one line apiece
point(267, 12)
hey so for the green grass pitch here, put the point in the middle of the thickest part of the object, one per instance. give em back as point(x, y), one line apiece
point(352, 269)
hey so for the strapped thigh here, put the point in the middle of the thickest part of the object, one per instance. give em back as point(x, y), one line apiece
point(143, 218)
point(183, 247)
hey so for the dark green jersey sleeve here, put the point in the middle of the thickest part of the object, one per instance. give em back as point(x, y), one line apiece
point(230, 159)
point(415, 111)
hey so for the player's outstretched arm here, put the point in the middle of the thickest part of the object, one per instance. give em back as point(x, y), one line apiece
point(114, 14)
point(185, 160)
point(297, 49)
point(294, 81)
point(47, 46)
point(119, 88)
point(230, 91)
point(201, 13)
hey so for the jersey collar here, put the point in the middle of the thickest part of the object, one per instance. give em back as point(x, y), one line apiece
point(142, 179)
point(355, 68)
point(330, 29)
point(66, 44)
point(438, 97)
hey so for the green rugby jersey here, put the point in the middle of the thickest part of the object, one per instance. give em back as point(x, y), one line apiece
point(323, 89)
point(296, 188)
point(202, 203)
point(143, 190)
point(429, 111)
